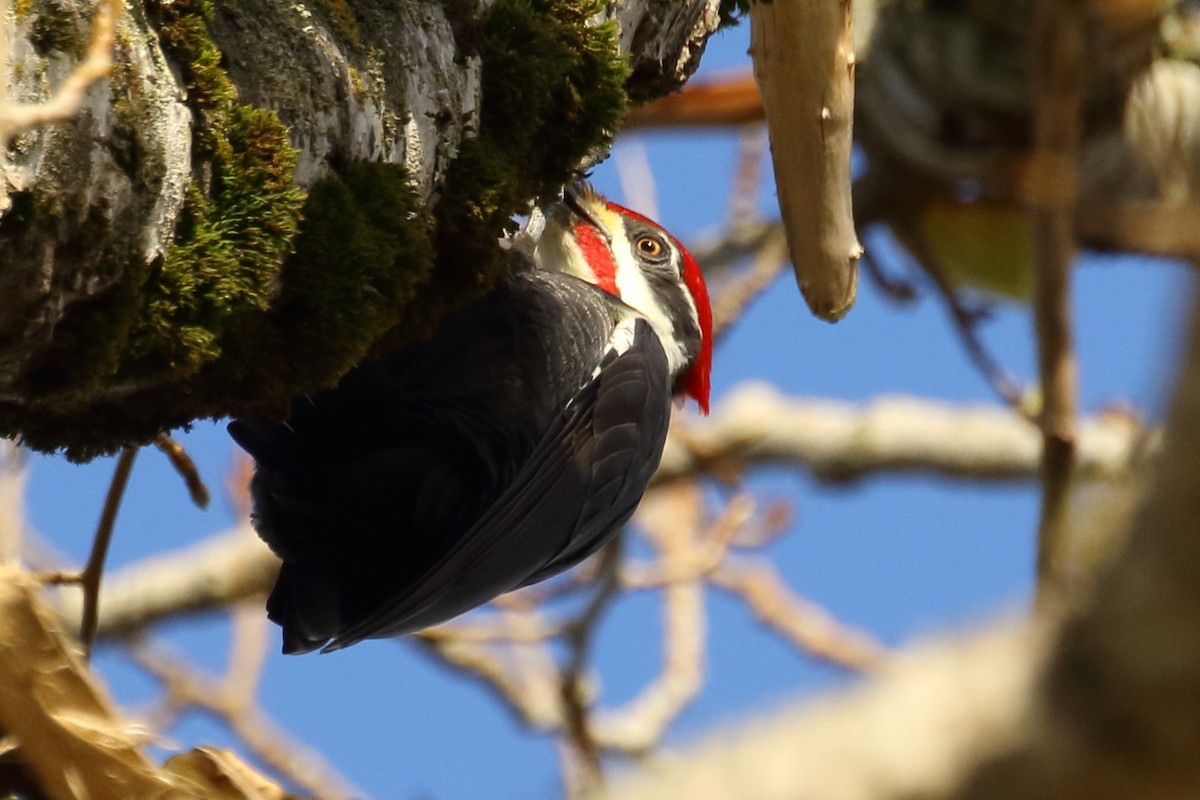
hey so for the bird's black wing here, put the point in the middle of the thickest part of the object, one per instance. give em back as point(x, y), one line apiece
point(363, 490)
point(580, 483)
point(629, 417)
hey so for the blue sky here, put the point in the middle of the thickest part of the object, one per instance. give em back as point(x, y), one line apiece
point(896, 556)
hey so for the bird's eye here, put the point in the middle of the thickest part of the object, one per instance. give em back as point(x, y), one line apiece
point(651, 247)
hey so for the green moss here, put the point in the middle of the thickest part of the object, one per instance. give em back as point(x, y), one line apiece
point(229, 246)
point(552, 91)
point(132, 116)
point(265, 293)
point(234, 233)
point(183, 31)
point(361, 258)
point(363, 253)
point(553, 87)
point(342, 21)
point(731, 11)
point(56, 29)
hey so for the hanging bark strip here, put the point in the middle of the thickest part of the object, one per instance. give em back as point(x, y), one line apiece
point(804, 63)
point(1050, 188)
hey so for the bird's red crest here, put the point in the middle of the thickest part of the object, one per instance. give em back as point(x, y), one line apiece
point(697, 382)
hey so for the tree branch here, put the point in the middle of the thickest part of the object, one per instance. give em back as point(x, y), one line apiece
point(211, 574)
point(756, 425)
point(804, 64)
point(1103, 707)
point(93, 572)
point(1059, 86)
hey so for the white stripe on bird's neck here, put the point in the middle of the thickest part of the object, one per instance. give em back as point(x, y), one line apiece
point(557, 248)
point(635, 291)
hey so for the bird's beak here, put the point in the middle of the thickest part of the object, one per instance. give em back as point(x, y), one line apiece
point(575, 197)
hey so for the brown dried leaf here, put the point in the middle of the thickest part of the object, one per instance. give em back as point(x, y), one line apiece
point(72, 738)
point(225, 776)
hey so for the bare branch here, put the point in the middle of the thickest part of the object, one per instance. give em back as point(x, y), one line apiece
point(227, 699)
point(16, 117)
point(13, 474)
point(672, 521)
point(729, 100)
point(636, 176)
point(699, 559)
point(905, 734)
point(756, 425)
point(211, 574)
point(531, 692)
point(579, 634)
point(1103, 707)
point(186, 468)
point(753, 146)
point(807, 626)
point(738, 293)
point(1059, 87)
point(247, 652)
point(740, 239)
point(1150, 227)
point(803, 57)
point(89, 579)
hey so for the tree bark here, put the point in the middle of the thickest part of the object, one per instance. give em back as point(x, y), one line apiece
point(166, 249)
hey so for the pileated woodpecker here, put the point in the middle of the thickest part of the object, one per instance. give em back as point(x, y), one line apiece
point(500, 452)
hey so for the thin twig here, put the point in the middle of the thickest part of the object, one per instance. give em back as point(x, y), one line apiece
point(806, 626)
point(580, 633)
point(700, 557)
point(740, 291)
point(747, 176)
point(893, 287)
point(509, 627)
point(532, 696)
point(636, 176)
point(12, 499)
point(777, 519)
point(247, 652)
point(186, 468)
point(966, 324)
point(89, 579)
point(1059, 86)
point(226, 699)
point(671, 520)
point(16, 117)
point(737, 240)
point(237, 484)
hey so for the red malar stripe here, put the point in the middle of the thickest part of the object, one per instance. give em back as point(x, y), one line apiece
point(598, 256)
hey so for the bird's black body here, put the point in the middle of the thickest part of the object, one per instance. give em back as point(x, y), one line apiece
point(503, 450)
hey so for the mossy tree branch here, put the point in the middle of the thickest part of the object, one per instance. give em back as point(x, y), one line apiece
point(334, 176)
